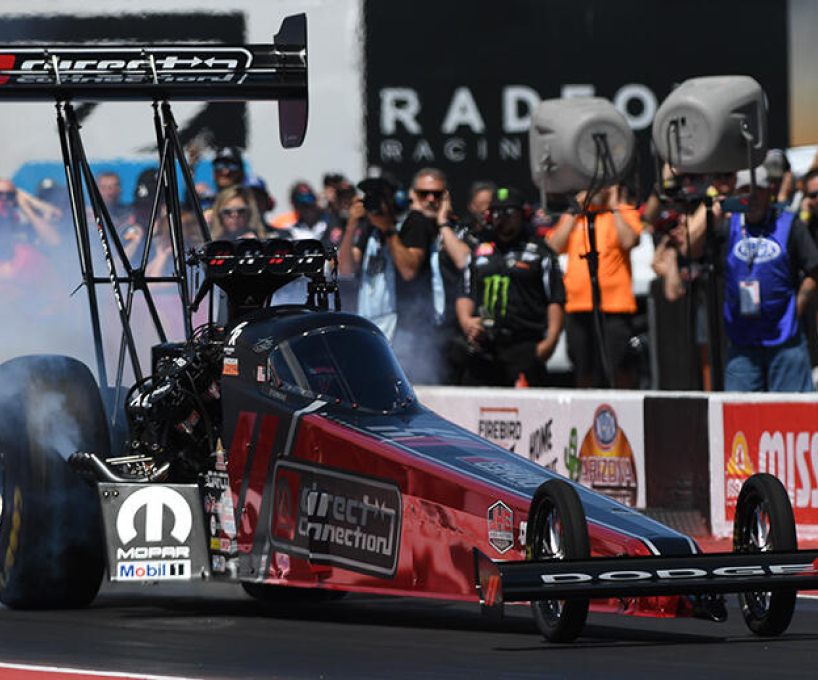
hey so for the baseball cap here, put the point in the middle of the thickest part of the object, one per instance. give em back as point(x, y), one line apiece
point(506, 197)
point(228, 154)
point(763, 179)
point(302, 194)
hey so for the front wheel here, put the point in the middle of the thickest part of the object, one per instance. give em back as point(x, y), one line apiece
point(764, 522)
point(557, 530)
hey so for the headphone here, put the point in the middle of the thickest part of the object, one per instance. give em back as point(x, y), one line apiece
point(526, 210)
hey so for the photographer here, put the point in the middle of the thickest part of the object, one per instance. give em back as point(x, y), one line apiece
point(770, 270)
point(393, 258)
point(511, 305)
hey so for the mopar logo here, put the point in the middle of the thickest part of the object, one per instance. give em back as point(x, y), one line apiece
point(627, 576)
point(154, 500)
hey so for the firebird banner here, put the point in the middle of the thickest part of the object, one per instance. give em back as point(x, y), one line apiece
point(595, 439)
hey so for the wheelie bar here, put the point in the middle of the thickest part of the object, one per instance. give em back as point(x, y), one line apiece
point(629, 576)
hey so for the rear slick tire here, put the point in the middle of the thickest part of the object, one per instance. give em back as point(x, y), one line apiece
point(51, 550)
point(764, 522)
point(557, 529)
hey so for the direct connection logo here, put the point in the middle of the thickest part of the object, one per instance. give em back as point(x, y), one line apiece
point(332, 517)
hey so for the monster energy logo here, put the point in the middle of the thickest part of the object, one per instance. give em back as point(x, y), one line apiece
point(494, 287)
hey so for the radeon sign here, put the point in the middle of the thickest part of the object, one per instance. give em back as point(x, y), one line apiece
point(454, 86)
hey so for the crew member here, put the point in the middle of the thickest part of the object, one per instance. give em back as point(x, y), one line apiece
point(511, 305)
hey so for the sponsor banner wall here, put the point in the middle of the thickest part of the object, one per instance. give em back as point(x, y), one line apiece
point(594, 437)
point(764, 433)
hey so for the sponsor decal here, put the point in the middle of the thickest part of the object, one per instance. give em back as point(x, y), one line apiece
point(263, 345)
point(540, 446)
point(606, 458)
point(234, 334)
point(154, 500)
point(215, 543)
point(778, 438)
point(739, 468)
point(337, 518)
point(573, 464)
point(231, 366)
point(501, 527)
point(501, 425)
point(509, 471)
point(175, 570)
point(631, 575)
point(261, 374)
point(218, 564)
point(484, 249)
point(760, 248)
point(158, 537)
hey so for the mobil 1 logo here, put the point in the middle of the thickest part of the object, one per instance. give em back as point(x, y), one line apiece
point(329, 516)
point(154, 532)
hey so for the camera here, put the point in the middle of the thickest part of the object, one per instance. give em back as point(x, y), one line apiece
point(377, 192)
point(373, 203)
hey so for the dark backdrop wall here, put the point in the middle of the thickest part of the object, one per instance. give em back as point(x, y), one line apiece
point(450, 84)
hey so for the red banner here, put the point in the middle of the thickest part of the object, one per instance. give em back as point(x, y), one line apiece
point(779, 438)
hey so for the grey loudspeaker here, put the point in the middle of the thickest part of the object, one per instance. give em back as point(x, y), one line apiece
point(698, 129)
point(562, 148)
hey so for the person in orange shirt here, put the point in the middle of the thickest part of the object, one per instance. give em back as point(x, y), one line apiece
point(618, 229)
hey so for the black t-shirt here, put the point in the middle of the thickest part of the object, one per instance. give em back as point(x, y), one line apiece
point(414, 298)
point(514, 284)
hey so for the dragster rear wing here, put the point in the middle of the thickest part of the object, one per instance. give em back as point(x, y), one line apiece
point(182, 72)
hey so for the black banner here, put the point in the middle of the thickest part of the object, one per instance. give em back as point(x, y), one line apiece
point(451, 85)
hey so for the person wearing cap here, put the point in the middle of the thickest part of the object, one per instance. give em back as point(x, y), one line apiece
point(510, 307)
point(311, 221)
point(618, 229)
point(392, 253)
point(228, 168)
point(770, 269)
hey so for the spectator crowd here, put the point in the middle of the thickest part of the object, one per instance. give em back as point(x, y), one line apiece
point(482, 297)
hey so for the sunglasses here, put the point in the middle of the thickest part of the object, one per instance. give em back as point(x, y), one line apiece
point(8, 195)
point(233, 212)
point(497, 213)
point(422, 193)
point(232, 167)
point(811, 194)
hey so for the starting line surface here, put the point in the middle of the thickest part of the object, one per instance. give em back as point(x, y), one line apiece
point(11, 671)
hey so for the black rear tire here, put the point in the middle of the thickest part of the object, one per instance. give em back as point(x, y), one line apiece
point(51, 551)
point(764, 522)
point(557, 530)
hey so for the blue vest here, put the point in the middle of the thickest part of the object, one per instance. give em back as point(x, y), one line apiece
point(777, 321)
